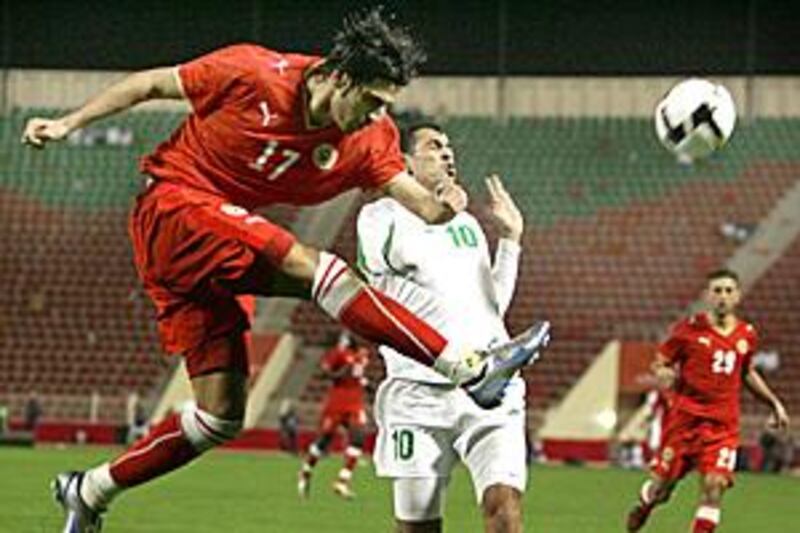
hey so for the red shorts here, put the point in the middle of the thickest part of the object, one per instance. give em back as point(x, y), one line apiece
point(350, 416)
point(195, 253)
point(693, 442)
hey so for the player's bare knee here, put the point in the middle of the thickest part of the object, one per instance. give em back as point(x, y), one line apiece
point(502, 508)
point(662, 492)
point(713, 487)
point(356, 438)
point(301, 262)
point(222, 394)
point(324, 441)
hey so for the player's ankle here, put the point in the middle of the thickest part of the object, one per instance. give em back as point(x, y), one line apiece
point(458, 364)
point(98, 488)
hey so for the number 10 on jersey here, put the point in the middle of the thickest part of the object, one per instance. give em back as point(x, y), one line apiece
point(403, 444)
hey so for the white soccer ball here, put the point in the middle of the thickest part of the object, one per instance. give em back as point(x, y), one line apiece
point(695, 119)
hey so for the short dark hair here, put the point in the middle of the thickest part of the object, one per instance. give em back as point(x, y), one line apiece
point(371, 45)
point(408, 132)
point(722, 273)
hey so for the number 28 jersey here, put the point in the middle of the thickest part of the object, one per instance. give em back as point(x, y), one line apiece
point(248, 138)
point(711, 367)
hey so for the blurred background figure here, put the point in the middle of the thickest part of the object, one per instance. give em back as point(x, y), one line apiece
point(289, 421)
point(344, 407)
point(33, 412)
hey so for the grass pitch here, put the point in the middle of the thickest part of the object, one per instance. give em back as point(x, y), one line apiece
point(240, 492)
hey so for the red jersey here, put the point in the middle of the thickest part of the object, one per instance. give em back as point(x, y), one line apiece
point(348, 388)
point(248, 139)
point(711, 367)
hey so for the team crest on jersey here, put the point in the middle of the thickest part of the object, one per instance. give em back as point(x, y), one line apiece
point(324, 156)
point(742, 346)
point(704, 341)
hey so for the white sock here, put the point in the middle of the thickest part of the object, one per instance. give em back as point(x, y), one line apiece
point(646, 494)
point(711, 514)
point(457, 364)
point(98, 487)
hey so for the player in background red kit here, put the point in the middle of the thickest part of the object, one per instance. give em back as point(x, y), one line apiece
point(266, 127)
point(705, 360)
point(344, 364)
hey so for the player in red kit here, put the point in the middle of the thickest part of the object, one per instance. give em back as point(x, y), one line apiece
point(265, 127)
point(705, 360)
point(344, 364)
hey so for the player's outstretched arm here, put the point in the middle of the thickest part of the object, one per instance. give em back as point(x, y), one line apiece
point(761, 390)
point(432, 208)
point(506, 216)
point(137, 87)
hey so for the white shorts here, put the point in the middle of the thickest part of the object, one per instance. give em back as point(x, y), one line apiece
point(423, 430)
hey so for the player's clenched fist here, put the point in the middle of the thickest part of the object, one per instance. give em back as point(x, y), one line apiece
point(38, 131)
point(453, 196)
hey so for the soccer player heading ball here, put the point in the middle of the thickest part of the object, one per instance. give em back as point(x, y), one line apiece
point(266, 127)
point(704, 361)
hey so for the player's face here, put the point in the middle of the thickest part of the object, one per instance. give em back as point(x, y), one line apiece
point(723, 295)
point(432, 158)
point(354, 106)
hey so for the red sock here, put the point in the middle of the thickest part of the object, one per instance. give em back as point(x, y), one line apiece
point(371, 314)
point(162, 450)
point(380, 319)
point(706, 519)
point(312, 457)
point(351, 455)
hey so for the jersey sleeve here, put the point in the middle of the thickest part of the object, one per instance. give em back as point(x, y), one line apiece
point(209, 79)
point(504, 272)
point(383, 160)
point(672, 347)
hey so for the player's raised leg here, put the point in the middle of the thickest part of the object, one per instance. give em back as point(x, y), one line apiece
point(344, 296)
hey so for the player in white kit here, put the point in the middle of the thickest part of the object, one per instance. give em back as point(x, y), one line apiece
point(444, 274)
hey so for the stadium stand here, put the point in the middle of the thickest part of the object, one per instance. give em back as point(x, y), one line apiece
point(618, 237)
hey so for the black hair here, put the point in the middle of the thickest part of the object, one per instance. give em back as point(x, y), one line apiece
point(722, 273)
point(407, 133)
point(371, 46)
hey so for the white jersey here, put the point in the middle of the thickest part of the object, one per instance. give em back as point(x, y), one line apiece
point(442, 273)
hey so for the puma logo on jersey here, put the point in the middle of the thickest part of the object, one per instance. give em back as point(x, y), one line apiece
point(280, 65)
point(266, 116)
point(704, 341)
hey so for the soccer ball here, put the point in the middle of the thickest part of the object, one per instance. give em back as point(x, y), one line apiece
point(695, 118)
